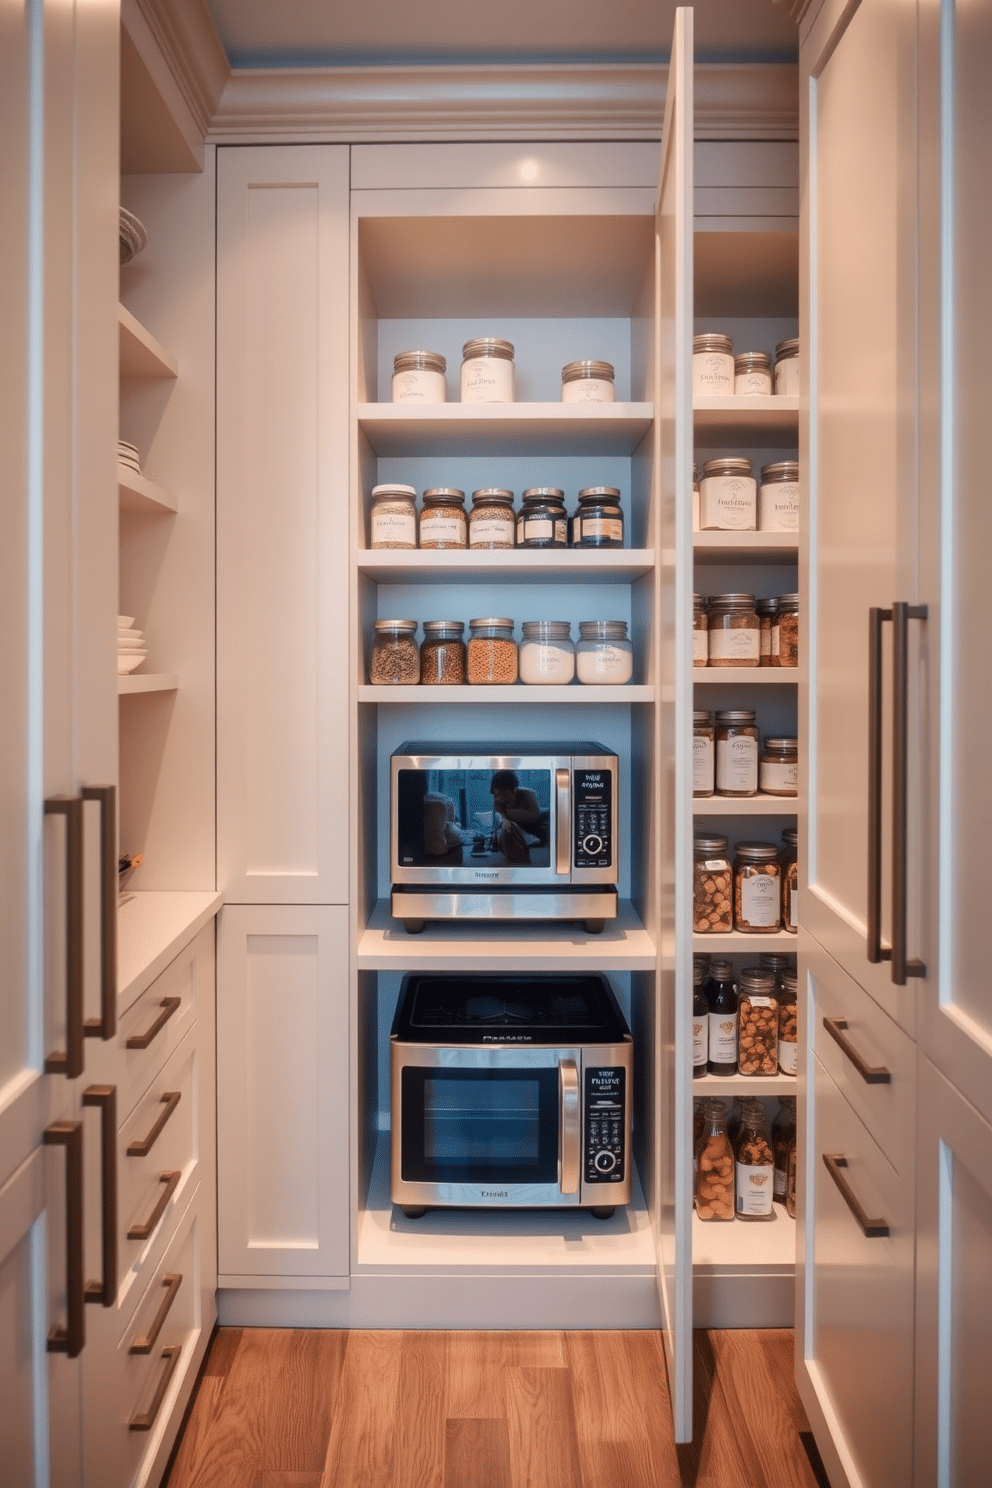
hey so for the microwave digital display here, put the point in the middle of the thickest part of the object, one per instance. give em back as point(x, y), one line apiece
point(486, 818)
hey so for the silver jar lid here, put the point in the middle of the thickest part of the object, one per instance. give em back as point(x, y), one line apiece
point(753, 979)
point(790, 983)
point(445, 496)
point(445, 627)
point(699, 602)
point(493, 623)
point(381, 493)
point(710, 846)
point(492, 496)
point(419, 361)
point(573, 371)
point(781, 470)
point(767, 606)
point(609, 494)
point(757, 852)
point(546, 630)
point(788, 602)
point(406, 627)
point(728, 465)
point(790, 836)
point(782, 746)
point(736, 715)
point(720, 603)
point(776, 961)
point(602, 630)
point(712, 341)
point(789, 348)
point(543, 494)
point(488, 346)
point(701, 718)
point(752, 361)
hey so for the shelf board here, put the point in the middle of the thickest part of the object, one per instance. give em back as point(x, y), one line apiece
point(148, 682)
point(737, 547)
point(138, 494)
point(763, 421)
point(746, 805)
point(747, 676)
point(140, 354)
point(739, 943)
point(516, 565)
point(731, 1085)
point(734, 1247)
point(517, 692)
point(505, 428)
point(470, 945)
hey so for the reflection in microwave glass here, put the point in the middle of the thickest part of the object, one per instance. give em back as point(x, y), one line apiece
point(491, 1122)
point(489, 818)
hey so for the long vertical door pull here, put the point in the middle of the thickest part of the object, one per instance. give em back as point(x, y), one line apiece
point(70, 1339)
point(902, 613)
point(70, 1061)
point(105, 1098)
point(105, 1026)
point(875, 951)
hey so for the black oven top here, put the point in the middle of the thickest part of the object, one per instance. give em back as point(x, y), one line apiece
point(490, 1009)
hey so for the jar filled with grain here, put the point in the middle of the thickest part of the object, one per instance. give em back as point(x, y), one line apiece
point(721, 997)
point(492, 652)
point(419, 377)
point(778, 767)
point(712, 364)
point(757, 1023)
point(587, 382)
point(766, 609)
point(783, 1136)
point(788, 1023)
point(547, 655)
point(736, 752)
point(714, 1185)
point(491, 522)
point(733, 631)
point(442, 519)
point(752, 373)
point(598, 519)
point(757, 888)
point(542, 521)
point(703, 754)
point(728, 495)
point(487, 371)
point(712, 899)
point(785, 632)
point(393, 518)
point(700, 1023)
point(700, 636)
point(754, 1166)
point(790, 880)
point(787, 367)
point(442, 653)
point(394, 661)
point(778, 497)
point(604, 654)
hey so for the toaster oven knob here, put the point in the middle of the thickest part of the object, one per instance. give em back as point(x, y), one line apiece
point(604, 1162)
point(592, 844)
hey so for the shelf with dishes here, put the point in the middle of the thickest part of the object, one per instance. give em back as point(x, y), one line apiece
point(494, 429)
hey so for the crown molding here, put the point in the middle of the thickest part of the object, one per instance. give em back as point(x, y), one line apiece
point(187, 39)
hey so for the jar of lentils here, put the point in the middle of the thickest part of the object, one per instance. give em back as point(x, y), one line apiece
point(598, 520)
point(394, 661)
point(712, 899)
point(734, 633)
point(442, 653)
point(491, 522)
point(393, 520)
point(700, 626)
point(442, 519)
point(790, 880)
point(542, 521)
point(757, 888)
point(492, 652)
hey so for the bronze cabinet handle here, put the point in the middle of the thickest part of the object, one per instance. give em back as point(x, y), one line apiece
point(871, 1074)
point(141, 1146)
point(69, 1061)
point(144, 1343)
point(105, 1098)
point(70, 1339)
point(872, 1229)
point(902, 613)
point(875, 951)
point(170, 1182)
point(106, 1025)
point(168, 1005)
point(145, 1420)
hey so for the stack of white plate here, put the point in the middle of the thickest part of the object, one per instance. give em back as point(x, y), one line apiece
point(131, 648)
point(127, 454)
point(133, 236)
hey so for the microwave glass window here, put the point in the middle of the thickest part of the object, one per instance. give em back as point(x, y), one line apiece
point(486, 818)
point(479, 1125)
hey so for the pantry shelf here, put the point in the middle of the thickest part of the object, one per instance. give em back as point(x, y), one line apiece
point(734, 1247)
point(740, 942)
point(493, 429)
point(147, 682)
point(731, 1085)
point(137, 494)
point(747, 676)
point(746, 805)
point(521, 565)
point(764, 421)
point(140, 354)
point(518, 692)
point(733, 547)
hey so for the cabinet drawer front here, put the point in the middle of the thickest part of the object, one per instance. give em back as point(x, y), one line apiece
point(862, 1326)
point(862, 1032)
point(157, 1155)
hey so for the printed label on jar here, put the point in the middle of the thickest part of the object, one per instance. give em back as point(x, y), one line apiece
point(700, 1041)
point(787, 1060)
point(601, 528)
point(734, 645)
point(487, 380)
point(755, 1187)
point(700, 648)
point(393, 528)
point(419, 386)
point(727, 503)
point(778, 507)
point(702, 766)
point(485, 530)
point(761, 901)
point(723, 1038)
point(753, 382)
point(737, 765)
point(538, 529)
point(441, 529)
point(587, 390)
point(778, 778)
point(712, 372)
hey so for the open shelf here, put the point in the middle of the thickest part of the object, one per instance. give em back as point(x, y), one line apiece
point(140, 354)
point(519, 565)
point(731, 1085)
point(147, 682)
point(746, 676)
point(764, 420)
point(493, 429)
point(736, 1247)
point(517, 692)
point(138, 494)
point(740, 942)
point(737, 547)
point(746, 805)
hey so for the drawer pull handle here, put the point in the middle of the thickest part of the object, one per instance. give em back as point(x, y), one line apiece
point(145, 1420)
point(69, 1061)
point(70, 1339)
point(105, 1098)
point(144, 1344)
point(106, 1025)
point(169, 1005)
point(872, 1074)
point(872, 1229)
point(141, 1146)
point(169, 1182)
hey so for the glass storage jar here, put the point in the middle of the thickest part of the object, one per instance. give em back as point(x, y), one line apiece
point(787, 367)
point(598, 520)
point(703, 754)
point(733, 631)
point(587, 382)
point(754, 1166)
point(700, 1023)
point(393, 519)
point(492, 652)
point(727, 495)
point(721, 997)
point(487, 371)
point(712, 364)
point(700, 628)
point(766, 609)
point(419, 377)
point(776, 962)
point(394, 661)
point(790, 1182)
point(752, 373)
point(736, 752)
point(442, 653)
point(712, 896)
point(778, 767)
point(604, 654)
point(788, 1023)
point(778, 497)
point(695, 498)
point(714, 1183)
point(790, 880)
point(785, 632)
point(491, 522)
point(757, 888)
point(547, 655)
point(783, 1135)
point(442, 519)
point(757, 1023)
point(542, 521)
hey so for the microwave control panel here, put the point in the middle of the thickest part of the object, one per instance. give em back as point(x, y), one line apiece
point(592, 794)
point(604, 1159)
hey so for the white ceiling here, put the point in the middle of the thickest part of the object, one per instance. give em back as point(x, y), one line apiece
point(302, 33)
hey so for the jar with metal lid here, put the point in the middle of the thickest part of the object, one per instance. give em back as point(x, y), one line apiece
point(492, 652)
point(598, 520)
point(712, 364)
point(757, 888)
point(695, 498)
point(587, 382)
point(785, 632)
point(394, 661)
point(393, 519)
point(604, 654)
point(776, 962)
point(442, 653)
point(487, 371)
point(778, 497)
point(767, 610)
point(491, 522)
point(419, 377)
point(703, 754)
point(752, 373)
point(754, 1166)
point(733, 631)
point(757, 1023)
point(727, 495)
point(736, 752)
point(442, 519)
point(787, 367)
point(721, 995)
point(700, 1023)
point(713, 1190)
point(547, 655)
point(778, 767)
point(788, 1023)
point(700, 627)
point(790, 880)
point(712, 900)
point(542, 521)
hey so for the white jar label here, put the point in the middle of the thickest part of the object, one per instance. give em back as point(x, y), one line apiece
point(702, 766)
point(712, 373)
point(774, 776)
point(752, 382)
point(487, 380)
point(787, 1060)
point(787, 377)
point(419, 385)
point(700, 1041)
point(394, 528)
point(728, 503)
point(604, 663)
point(695, 508)
point(485, 530)
point(755, 1187)
point(441, 529)
point(723, 1038)
point(761, 900)
point(700, 648)
point(734, 645)
point(546, 661)
point(588, 390)
point(538, 529)
point(778, 506)
point(600, 528)
point(737, 764)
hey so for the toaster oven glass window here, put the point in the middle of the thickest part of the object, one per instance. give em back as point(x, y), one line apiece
point(484, 818)
point(476, 1126)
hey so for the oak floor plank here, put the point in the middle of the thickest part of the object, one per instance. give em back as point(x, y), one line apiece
point(761, 1415)
point(285, 1480)
point(713, 1459)
point(477, 1453)
point(620, 1399)
point(419, 1431)
point(477, 1361)
point(361, 1447)
point(778, 1346)
point(223, 1348)
point(544, 1448)
point(199, 1448)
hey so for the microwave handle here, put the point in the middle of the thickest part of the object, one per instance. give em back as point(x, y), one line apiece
point(563, 817)
point(568, 1085)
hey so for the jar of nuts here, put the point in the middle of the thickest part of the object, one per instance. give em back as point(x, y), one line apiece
point(394, 661)
point(721, 995)
point(712, 905)
point(442, 653)
point(714, 1193)
point(736, 752)
point(757, 1023)
point(788, 1023)
point(757, 888)
point(754, 1166)
point(492, 652)
point(790, 880)
point(733, 631)
point(785, 632)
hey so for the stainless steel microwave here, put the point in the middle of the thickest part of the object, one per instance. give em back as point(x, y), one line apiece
point(516, 831)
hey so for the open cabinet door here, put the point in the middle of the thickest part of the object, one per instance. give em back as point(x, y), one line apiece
point(673, 411)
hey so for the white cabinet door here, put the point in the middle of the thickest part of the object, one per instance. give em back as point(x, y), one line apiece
point(282, 524)
point(282, 1093)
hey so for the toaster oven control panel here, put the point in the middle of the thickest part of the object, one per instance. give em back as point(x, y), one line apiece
point(603, 1144)
point(592, 794)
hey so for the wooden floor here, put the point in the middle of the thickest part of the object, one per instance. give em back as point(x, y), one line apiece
point(281, 1408)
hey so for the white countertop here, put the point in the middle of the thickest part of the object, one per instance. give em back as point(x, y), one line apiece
point(152, 928)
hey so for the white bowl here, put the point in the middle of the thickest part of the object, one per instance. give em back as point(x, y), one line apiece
point(128, 635)
point(129, 661)
point(124, 622)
